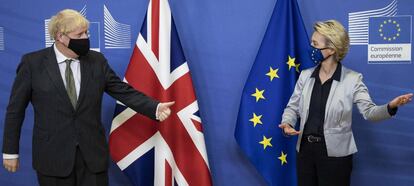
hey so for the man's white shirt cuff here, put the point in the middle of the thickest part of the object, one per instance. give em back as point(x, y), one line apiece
point(10, 156)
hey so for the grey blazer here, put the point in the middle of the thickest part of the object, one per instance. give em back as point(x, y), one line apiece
point(338, 114)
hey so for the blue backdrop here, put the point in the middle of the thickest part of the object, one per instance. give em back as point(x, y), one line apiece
point(220, 39)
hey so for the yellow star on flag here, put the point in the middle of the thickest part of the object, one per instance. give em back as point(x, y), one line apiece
point(266, 142)
point(272, 73)
point(256, 119)
point(258, 94)
point(291, 63)
point(282, 158)
point(297, 67)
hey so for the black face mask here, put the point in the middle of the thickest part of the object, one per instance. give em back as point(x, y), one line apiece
point(79, 46)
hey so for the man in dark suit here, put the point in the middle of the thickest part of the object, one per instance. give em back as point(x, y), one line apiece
point(65, 84)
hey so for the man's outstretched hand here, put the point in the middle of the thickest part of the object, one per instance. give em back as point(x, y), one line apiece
point(164, 110)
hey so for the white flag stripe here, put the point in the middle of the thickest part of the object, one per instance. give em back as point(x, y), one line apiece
point(121, 118)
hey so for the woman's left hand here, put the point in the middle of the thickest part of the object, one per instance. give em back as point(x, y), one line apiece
point(401, 100)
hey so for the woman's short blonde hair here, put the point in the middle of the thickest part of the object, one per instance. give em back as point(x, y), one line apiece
point(336, 37)
point(66, 21)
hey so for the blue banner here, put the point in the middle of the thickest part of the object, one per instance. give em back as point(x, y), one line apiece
point(220, 40)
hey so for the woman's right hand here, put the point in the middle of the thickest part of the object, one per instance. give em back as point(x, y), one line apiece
point(287, 129)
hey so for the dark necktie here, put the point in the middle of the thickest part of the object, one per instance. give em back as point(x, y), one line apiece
point(70, 83)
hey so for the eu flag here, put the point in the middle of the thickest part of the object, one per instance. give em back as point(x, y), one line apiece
point(282, 54)
point(390, 30)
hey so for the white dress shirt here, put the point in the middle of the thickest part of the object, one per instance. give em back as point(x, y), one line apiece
point(75, 66)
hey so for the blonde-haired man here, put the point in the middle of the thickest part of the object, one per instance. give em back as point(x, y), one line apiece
point(65, 84)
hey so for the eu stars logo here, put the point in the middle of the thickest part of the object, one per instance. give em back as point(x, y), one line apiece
point(389, 40)
point(394, 28)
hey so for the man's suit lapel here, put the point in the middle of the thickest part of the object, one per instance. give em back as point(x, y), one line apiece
point(85, 78)
point(53, 70)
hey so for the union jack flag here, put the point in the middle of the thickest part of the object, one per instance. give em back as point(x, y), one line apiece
point(172, 152)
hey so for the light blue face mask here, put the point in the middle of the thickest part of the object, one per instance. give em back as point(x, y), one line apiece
point(316, 54)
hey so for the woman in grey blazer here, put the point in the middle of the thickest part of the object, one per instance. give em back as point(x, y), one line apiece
point(323, 98)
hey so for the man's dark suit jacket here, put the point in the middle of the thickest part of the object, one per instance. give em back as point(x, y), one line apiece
point(58, 127)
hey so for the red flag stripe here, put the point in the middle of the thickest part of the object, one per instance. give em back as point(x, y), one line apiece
point(155, 26)
point(197, 125)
